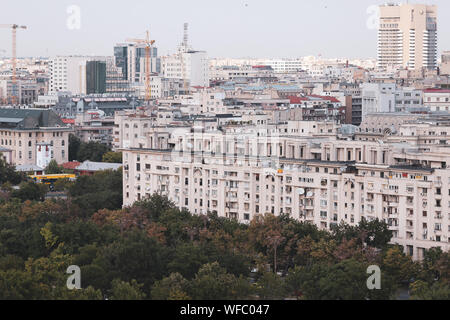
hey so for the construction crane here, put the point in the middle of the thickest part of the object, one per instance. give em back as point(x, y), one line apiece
point(184, 49)
point(148, 45)
point(14, 28)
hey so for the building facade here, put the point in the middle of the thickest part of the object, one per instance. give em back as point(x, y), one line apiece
point(407, 36)
point(242, 171)
point(26, 131)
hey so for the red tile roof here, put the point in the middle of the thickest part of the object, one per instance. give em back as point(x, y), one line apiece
point(332, 99)
point(436, 91)
point(68, 121)
point(297, 100)
point(71, 165)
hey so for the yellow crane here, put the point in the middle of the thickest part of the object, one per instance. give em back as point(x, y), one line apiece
point(148, 45)
point(14, 28)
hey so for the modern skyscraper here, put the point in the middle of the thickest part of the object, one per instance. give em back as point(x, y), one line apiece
point(407, 36)
point(130, 58)
point(95, 77)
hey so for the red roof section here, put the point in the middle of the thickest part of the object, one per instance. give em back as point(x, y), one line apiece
point(68, 121)
point(436, 91)
point(71, 165)
point(296, 100)
point(332, 99)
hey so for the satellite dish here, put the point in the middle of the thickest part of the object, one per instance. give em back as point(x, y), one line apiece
point(309, 194)
point(301, 191)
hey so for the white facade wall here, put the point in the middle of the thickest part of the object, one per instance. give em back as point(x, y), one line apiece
point(377, 98)
point(278, 175)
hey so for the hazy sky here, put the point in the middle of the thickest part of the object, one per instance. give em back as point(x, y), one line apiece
point(225, 28)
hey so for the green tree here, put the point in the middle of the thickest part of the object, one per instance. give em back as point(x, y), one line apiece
point(62, 184)
point(375, 233)
point(212, 282)
point(112, 157)
point(134, 256)
point(420, 290)
point(30, 191)
point(398, 266)
point(92, 151)
point(271, 287)
point(74, 147)
point(53, 168)
point(122, 290)
point(103, 190)
point(173, 287)
point(322, 281)
point(9, 174)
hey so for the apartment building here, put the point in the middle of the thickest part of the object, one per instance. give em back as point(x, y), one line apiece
point(377, 97)
point(190, 65)
point(130, 61)
point(29, 132)
point(436, 99)
point(407, 36)
point(93, 125)
point(241, 171)
point(76, 75)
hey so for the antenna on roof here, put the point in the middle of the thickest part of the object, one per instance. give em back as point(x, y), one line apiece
point(185, 38)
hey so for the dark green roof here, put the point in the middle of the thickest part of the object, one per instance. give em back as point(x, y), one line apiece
point(29, 118)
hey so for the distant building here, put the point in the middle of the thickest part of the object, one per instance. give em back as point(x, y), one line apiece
point(95, 77)
point(377, 97)
point(130, 58)
point(190, 65)
point(437, 99)
point(407, 36)
point(70, 74)
point(89, 168)
point(445, 63)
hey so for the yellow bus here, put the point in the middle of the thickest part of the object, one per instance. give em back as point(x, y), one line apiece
point(52, 178)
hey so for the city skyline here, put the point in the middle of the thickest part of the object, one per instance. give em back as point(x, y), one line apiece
point(225, 35)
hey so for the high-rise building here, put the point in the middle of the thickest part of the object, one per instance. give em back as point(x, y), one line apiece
point(190, 65)
point(407, 36)
point(130, 58)
point(95, 77)
point(445, 63)
point(68, 74)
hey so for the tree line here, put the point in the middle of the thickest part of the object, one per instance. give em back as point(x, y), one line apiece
point(153, 250)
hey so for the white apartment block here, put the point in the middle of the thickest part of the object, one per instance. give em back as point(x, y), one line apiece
point(241, 171)
point(377, 97)
point(437, 99)
point(189, 65)
point(408, 99)
point(68, 74)
point(284, 65)
point(407, 36)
